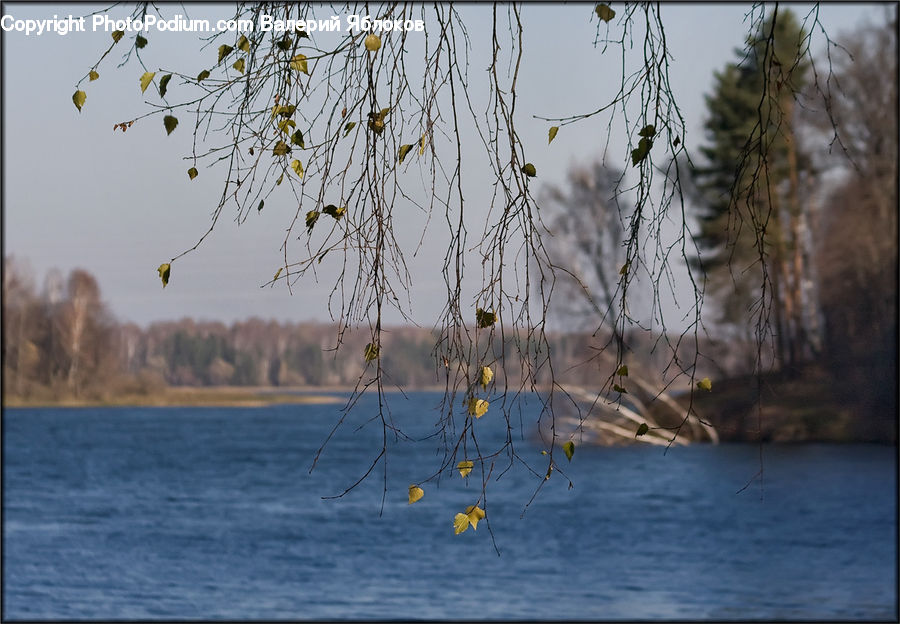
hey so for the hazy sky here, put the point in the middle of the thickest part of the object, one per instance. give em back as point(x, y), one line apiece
point(76, 194)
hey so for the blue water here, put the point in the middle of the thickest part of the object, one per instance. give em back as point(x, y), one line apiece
point(211, 513)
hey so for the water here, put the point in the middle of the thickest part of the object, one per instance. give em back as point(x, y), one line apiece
point(211, 513)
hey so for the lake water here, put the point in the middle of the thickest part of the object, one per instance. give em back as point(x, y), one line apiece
point(212, 513)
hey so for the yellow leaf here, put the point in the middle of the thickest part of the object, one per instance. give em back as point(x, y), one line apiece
point(93, 75)
point(297, 166)
point(164, 271)
point(705, 384)
point(372, 42)
point(224, 50)
point(604, 12)
point(78, 99)
point(460, 522)
point(569, 449)
point(415, 493)
point(622, 371)
point(298, 63)
point(146, 79)
point(277, 273)
point(371, 352)
point(464, 467)
point(239, 65)
point(474, 514)
point(117, 34)
point(280, 148)
point(478, 407)
point(192, 173)
point(404, 149)
point(243, 44)
point(422, 145)
point(553, 131)
point(486, 375)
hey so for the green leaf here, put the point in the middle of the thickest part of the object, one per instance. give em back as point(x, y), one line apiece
point(297, 166)
point(623, 371)
point(640, 153)
point(224, 50)
point(259, 208)
point(371, 352)
point(139, 42)
point(146, 79)
point(553, 131)
point(117, 34)
point(619, 388)
point(484, 319)
point(647, 131)
point(642, 430)
point(169, 122)
point(529, 170)
point(465, 467)
point(203, 75)
point(78, 99)
point(281, 148)
point(164, 270)
point(624, 269)
point(334, 211)
point(311, 217)
point(569, 449)
point(164, 84)
point(298, 63)
point(604, 12)
point(347, 128)
point(404, 149)
point(415, 493)
point(192, 173)
point(243, 44)
point(93, 75)
point(297, 139)
point(239, 65)
point(705, 384)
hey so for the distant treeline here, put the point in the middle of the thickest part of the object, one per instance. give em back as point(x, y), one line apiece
point(61, 341)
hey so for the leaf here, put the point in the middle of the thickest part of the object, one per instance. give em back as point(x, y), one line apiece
point(224, 50)
point(297, 166)
point(604, 12)
point(170, 122)
point(422, 145)
point(376, 123)
point(465, 467)
point(140, 42)
point(484, 319)
point(117, 34)
point(243, 44)
point(371, 352)
point(78, 99)
point(297, 139)
point(164, 84)
point(203, 75)
point(372, 42)
point(281, 148)
point(474, 513)
point(311, 217)
point(350, 125)
point(192, 173)
point(553, 131)
point(460, 522)
point(486, 375)
point(648, 131)
point(415, 493)
point(334, 211)
point(298, 63)
point(284, 111)
point(164, 271)
point(619, 388)
point(623, 371)
point(279, 180)
point(642, 430)
point(676, 141)
point(624, 269)
point(705, 384)
point(277, 273)
point(529, 170)
point(640, 153)
point(93, 75)
point(259, 208)
point(286, 124)
point(146, 79)
point(239, 65)
point(478, 407)
point(569, 449)
point(404, 149)
point(284, 43)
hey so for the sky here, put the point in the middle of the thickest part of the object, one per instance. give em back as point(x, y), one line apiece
point(77, 194)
